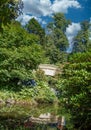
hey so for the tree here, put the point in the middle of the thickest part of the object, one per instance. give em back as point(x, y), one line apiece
point(54, 54)
point(81, 41)
point(60, 21)
point(34, 27)
point(14, 35)
point(76, 89)
point(57, 42)
point(57, 30)
point(9, 9)
point(20, 53)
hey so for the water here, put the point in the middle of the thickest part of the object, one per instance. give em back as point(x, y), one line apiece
point(44, 117)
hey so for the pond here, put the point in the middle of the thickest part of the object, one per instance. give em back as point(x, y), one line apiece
point(18, 117)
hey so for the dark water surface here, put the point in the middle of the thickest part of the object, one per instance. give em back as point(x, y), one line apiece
point(44, 117)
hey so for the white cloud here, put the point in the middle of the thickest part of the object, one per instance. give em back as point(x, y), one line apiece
point(46, 7)
point(71, 31)
point(24, 18)
point(63, 5)
point(39, 8)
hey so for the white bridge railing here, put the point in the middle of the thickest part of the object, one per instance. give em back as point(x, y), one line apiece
point(48, 69)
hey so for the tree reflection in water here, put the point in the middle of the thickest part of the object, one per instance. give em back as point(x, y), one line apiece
point(29, 118)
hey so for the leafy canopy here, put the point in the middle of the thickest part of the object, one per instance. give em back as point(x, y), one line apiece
point(20, 53)
point(9, 9)
point(76, 89)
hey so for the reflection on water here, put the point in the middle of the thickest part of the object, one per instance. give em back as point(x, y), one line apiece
point(27, 117)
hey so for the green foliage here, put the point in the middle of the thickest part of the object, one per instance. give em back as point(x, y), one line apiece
point(35, 28)
point(60, 39)
point(76, 89)
point(9, 9)
point(44, 93)
point(5, 94)
point(81, 41)
point(15, 36)
point(59, 22)
point(55, 55)
point(56, 39)
point(57, 30)
point(41, 93)
point(39, 75)
point(19, 54)
point(15, 64)
point(80, 57)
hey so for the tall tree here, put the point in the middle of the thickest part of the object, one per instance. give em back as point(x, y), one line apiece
point(60, 21)
point(56, 35)
point(81, 41)
point(57, 30)
point(35, 28)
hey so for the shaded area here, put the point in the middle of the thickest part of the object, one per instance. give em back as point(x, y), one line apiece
point(26, 117)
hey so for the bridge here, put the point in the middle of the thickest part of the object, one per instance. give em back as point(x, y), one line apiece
point(49, 69)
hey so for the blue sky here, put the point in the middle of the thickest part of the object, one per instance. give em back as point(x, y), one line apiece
point(42, 10)
point(75, 10)
point(81, 14)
